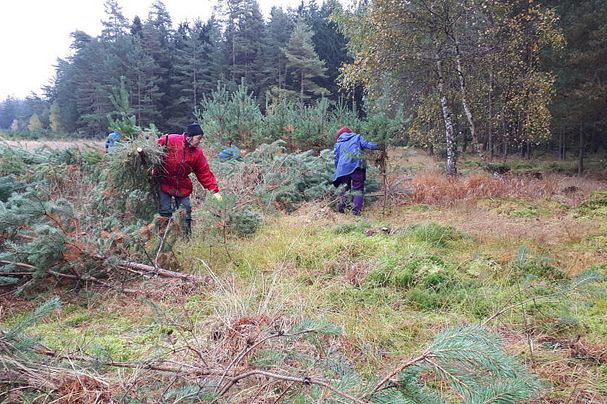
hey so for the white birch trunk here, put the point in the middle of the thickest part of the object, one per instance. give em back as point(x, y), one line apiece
point(449, 135)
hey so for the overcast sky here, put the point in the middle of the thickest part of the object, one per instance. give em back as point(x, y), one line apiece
point(34, 33)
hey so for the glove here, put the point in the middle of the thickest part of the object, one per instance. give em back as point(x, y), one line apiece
point(218, 197)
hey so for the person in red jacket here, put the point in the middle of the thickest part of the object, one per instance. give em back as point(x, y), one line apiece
point(183, 156)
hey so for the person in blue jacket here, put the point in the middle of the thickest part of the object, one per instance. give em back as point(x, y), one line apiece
point(111, 140)
point(229, 153)
point(350, 167)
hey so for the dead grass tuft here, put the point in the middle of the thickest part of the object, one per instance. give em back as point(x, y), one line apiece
point(435, 188)
point(84, 390)
point(356, 272)
point(173, 290)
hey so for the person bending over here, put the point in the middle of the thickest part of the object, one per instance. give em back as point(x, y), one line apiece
point(183, 156)
point(350, 167)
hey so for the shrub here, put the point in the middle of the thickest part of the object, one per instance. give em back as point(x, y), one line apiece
point(434, 234)
point(427, 272)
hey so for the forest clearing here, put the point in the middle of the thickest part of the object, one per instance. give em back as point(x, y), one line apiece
point(392, 202)
point(313, 305)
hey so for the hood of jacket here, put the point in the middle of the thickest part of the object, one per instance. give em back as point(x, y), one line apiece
point(344, 137)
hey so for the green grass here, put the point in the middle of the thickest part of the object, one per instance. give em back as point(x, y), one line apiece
point(595, 205)
point(389, 293)
point(517, 208)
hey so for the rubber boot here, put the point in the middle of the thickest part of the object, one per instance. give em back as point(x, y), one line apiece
point(341, 205)
point(358, 204)
point(187, 231)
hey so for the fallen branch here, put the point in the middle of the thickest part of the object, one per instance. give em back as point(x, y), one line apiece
point(164, 273)
point(399, 369)
point(91, 279)
point(307, 381)
point(142, 269)
point(19, 264)
point(244, 353)
point(181, 369)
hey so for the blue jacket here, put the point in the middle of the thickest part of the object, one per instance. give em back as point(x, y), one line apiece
point(348, 153)
point(111, 140)
point(229, 153)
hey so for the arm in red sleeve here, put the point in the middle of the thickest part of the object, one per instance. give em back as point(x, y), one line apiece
point(204, 174)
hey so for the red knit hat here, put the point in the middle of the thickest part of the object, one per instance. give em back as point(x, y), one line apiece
point(345, 129)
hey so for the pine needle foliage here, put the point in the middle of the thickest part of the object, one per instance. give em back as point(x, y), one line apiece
point(127, 184)
point(467, 363)
point(471, 360)
point(20, 363)
point(11, 335)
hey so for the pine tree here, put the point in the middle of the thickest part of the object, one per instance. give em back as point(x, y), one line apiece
point(244, 31)
point(274, 61)
point(8, 112)
point(115, 25)
point(303, 63)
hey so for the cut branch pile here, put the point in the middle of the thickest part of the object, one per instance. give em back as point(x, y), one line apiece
point(70, 233)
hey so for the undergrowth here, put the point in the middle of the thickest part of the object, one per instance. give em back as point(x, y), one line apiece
point(378, 290)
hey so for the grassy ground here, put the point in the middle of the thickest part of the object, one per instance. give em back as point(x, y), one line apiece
point(453, 252)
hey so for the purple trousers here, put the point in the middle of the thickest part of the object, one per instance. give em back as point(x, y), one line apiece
point(356, 183)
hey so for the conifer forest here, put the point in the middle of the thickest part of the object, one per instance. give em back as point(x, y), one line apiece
point(476, 271)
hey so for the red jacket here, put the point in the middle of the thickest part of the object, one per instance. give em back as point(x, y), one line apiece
point(181, 160)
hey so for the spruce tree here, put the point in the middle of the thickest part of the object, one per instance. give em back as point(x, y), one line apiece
point(195, 68)
point(329, 43)
point(157, 43)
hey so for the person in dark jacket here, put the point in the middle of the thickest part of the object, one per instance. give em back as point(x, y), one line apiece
point(183, 156)
point(350, 167)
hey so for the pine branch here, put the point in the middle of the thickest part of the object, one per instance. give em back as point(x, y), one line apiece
point(396, 371)
point(306, 381)
point(576, 283)
point(255, 345)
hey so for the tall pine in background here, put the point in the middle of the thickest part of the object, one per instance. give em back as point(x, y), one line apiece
point(304, 65)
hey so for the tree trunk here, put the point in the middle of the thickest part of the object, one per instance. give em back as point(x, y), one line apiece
point(451, 168)
point(580, 163)
point(301, 89)
point(464, 92)
point(490, 139)
point(233, 57)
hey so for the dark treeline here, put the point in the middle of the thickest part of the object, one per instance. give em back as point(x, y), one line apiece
point(504, 76)
point(168, 70)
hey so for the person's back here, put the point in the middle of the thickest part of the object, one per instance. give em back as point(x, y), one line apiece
point(111, 140)
point(348, 153)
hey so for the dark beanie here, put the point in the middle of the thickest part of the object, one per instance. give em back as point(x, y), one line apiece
point(193, 129)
